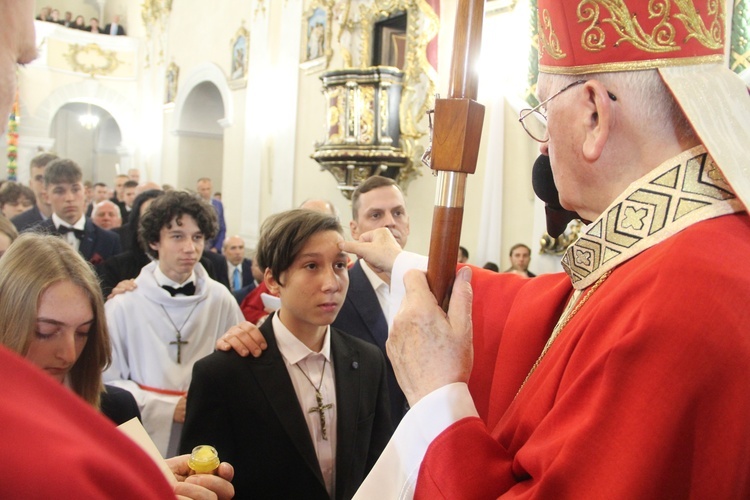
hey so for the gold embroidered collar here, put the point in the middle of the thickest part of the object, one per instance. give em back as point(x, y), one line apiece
point(686, 189)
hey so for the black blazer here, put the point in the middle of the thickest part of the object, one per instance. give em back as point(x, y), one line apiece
point(121, 205)
point(247, 273)
point(128, 265)
point(27, 220)
point(248, 282)
point(362, 317)
point(118, 405)
point(97, 244)
point(218, 265)
point(247, 409)
point(120, 29)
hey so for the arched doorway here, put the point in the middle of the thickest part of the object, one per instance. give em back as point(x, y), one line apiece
point(201, 137)
point(90, 136)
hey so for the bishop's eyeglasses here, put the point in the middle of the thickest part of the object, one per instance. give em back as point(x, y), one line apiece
point(541, 113)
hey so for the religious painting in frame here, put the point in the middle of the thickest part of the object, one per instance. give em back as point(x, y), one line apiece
point(170, 83)
point(240, 53)
point(316, 34)
point(389, 47)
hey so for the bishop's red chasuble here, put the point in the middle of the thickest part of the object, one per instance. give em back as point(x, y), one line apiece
point(645, 390)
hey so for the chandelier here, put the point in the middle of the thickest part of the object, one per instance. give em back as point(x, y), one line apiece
point(89, 121)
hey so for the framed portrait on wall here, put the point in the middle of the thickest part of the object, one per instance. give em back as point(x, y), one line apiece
point(316, 34)
point(240, 53)
point(170, 83)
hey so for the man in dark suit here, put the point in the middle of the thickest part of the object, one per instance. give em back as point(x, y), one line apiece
point(67, 20)
point(42, 210)
point(377, 202)
point(93, 26)
point(115, 28)
point(218, 264)
point(204, 188)
point(239, 269)
point(118, 198)
point(62, 180)
point(291, 427)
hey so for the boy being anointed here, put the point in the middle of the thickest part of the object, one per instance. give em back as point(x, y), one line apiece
point(308, 418)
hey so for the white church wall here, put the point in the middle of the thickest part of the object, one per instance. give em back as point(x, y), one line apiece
point(278, 114)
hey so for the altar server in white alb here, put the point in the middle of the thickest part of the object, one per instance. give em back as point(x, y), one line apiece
point(172, 319)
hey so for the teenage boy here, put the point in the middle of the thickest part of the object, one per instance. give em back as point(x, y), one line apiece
point(64, 190)
point(309, 418)
point(128, 194)
point(42, 211)
point(173, 317)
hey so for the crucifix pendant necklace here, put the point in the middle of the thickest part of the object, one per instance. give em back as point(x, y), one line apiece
point(178, 341)
point(320, 408)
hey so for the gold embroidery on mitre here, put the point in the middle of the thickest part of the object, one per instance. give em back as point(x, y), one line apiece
point(682, 191)
point(661, 39)
point(547, 38)
point(711, 37)
point(630, 65)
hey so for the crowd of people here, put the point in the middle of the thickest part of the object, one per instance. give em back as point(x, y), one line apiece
point(51, 15)
point(319, 376)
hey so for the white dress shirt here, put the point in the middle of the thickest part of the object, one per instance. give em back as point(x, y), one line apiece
point(70, 237)
point(395, 473)
point(382, 290)
point(297, 356)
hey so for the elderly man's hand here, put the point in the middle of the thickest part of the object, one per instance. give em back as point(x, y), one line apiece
point(427, 348)
point(378, 247)
point(244, 338)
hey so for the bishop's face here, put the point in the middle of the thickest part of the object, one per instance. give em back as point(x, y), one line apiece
point(565, 131)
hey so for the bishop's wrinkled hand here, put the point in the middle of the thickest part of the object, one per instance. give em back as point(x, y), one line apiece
point(379, 248)
point(428, 348)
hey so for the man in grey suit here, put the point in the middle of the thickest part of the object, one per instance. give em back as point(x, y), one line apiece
point(377, 202)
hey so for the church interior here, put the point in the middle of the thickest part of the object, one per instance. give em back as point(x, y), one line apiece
point(280, 101)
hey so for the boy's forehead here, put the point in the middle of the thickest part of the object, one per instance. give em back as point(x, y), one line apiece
point(182, 223)
point(65, 184)
point(322, 242)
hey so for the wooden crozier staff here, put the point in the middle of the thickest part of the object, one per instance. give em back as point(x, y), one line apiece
point(455, 147)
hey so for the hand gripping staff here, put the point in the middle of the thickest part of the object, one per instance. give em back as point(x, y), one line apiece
point(455, 147)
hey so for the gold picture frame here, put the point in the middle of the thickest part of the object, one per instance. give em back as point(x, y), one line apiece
point(240, 54)
point(171, 78)
point(317, 23)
